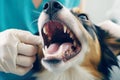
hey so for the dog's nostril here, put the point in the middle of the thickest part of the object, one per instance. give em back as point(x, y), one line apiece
point(46, 6)
point(57, 5)
point(52, 7)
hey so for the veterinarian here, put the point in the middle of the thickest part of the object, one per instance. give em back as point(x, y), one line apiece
point(18, 45)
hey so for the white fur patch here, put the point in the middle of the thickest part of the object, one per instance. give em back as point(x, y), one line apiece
point(75, 73)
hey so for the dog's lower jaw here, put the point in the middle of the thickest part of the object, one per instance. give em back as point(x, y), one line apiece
point(74, 73)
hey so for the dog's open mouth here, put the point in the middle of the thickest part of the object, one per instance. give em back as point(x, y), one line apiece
point(59, 42)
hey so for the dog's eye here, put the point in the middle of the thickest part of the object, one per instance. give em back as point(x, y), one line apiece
point(83, 16)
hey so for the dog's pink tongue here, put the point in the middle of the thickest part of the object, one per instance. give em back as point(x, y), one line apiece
point(54, 48)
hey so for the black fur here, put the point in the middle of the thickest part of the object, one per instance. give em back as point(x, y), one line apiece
point(118, 40)
point(87, 24)
point(108, 59)
point(90, 29)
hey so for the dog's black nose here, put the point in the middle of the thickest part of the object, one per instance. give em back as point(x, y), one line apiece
point(52, 7)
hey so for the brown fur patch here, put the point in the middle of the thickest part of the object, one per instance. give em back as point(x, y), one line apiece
point(77, 10)
point(114, 45)
point(92, 58)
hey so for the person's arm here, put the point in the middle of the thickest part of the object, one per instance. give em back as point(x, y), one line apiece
point(36, 3)
point(82, 5)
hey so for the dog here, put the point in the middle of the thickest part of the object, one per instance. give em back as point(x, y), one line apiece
point(73, 48)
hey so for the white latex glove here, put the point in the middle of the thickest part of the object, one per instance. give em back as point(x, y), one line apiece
point(17, 51)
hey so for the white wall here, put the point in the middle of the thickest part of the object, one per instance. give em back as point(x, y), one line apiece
point(97, 9)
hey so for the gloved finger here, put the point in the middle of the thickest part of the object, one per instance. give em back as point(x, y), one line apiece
point(22, 70)
point(26, 49)
point(25, 61)
point(27, 37)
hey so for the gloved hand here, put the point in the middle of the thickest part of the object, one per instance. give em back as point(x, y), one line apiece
point(17, 51)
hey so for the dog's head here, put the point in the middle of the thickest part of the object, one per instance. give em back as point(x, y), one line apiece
point(70, 39)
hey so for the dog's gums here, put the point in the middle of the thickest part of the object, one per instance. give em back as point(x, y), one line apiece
point(58, 38)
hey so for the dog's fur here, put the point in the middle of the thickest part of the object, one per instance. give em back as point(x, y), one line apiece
point(97, 56)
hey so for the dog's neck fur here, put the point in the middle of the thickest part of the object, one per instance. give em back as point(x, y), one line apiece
point(75, 73)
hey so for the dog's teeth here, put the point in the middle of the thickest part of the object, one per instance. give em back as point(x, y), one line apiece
point(45, 48)
point(74, 43)
point(44, 52)
point(65, 29)
point(44, 30)
point(68, 31)
point(71, 35)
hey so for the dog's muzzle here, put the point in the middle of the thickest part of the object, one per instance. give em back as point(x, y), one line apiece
point(60, 43)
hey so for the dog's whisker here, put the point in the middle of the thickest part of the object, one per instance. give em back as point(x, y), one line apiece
point(36, 11)
point(34, 21)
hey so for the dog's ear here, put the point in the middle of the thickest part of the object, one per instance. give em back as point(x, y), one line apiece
point(113, 43)
point(112, 38)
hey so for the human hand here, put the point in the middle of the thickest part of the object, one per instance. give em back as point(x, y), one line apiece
point(17, 51)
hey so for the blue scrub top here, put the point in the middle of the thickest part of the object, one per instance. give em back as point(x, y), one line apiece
point(22, 14)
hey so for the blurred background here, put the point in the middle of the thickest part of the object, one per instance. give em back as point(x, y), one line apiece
point(98, 10)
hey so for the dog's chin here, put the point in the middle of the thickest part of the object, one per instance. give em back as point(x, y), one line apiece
point(60, 66)
point(56, 68)
point(58, 63)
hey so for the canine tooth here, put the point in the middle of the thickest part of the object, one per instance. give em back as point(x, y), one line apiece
point(44, 52)
point(74, 43)
point(65, 29)
point(71, 35)
point(45, 48)
point(68, 31)
point(44, 30)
